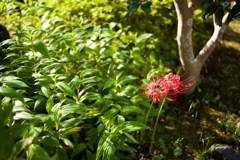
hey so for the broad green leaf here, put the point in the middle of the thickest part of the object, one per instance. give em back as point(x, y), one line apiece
point(67, 142)
point(36, 152)
point(143, 37)
point(92, 79)
point(88, 72)
point(12, 81)
point(23, 115)
point(131, 110)
point(74, 83)
point(132, 7)
point(131, 139)
point(66, 89)
point(110, 113)
point(110, 82)
point(146, 6)
point(19, 106)
point(50, 141)
point(106, 148)
point(41, 47)
point(46, 91)
point(72, 122)
point(120, 119)
point(100, 128)
point(128, 148)
point(131, 126)
point(128, 91)
point(49, 104)
point(40, 103)
point(91, 96)
point(44, 80)
point(74, 108)
point(126, 79)
point(10, 92)
point(23, 35)
point(79, 148)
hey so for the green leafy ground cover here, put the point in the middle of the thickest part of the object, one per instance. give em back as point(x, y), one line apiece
point(71, 79)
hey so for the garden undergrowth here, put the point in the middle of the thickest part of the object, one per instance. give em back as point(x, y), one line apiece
point(70, 84)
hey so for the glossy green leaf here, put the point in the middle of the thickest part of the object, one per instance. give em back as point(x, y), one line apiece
point(50, 141)
point(74, 83)
point(46, 91)
point(41, 47)
point(110, 82)
point(19, 106)
point(131, 110)
point(40, 103)
point(143, 37)
point(146, 6)
point(106, 148)
point(10, 92)
point(23, 115)
point(14, 82)
point(66, 89)
point(67, 142)
point(73, 108)
point(36, 152)
point(91, 96)
point(126, 79)
point(132, 7)
point(131, 126)
point(72, 122)
point(49, 104)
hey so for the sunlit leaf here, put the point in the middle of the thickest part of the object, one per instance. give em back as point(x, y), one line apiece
point(131, 126)
point(72, 122)
point(10, 92)
point(41, 47)
point(46, 91)
point(110, 82)
point(105, 149)
point(12, 81)
point(66, 89)
point(36, 152)
point(143, 37)
point(131, 110)
point(126, 79)
point(23, 115)
point(67, 142)
point(49, 104)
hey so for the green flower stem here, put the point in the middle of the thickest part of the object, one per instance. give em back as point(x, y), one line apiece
point(156, 123)
point(146, 119)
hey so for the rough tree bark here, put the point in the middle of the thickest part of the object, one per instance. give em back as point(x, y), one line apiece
point(190, 63)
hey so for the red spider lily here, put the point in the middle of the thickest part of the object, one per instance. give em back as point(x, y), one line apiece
point(170, 85)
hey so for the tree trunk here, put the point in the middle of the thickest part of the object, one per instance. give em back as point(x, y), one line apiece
point(193, 65)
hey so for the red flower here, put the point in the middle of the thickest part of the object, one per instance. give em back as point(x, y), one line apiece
point(170, 85)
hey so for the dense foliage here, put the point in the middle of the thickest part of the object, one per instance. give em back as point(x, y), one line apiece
point(72, 73)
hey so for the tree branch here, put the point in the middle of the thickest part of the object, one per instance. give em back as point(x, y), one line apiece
point(212, 42)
